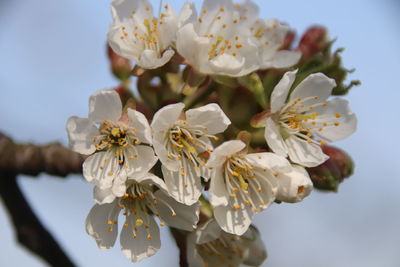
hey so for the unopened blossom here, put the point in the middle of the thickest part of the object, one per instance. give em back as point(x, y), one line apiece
point(137, 35)
point(214, 41)
point(117, 142)
point(179, 139)
point(269, 36)
point(145, 197)
point(243, 184)
point(305, 119)
point(209, 246)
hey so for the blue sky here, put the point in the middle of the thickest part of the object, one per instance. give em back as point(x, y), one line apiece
point(53, 57)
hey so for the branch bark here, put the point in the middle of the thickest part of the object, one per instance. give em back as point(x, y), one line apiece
point(28, 159)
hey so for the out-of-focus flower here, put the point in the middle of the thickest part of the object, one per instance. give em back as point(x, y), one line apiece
point(145, 196)
point(178, 140)
point(246, 183)
point(137, 35)
point(115, 138)
point(269, 36)
point(216, 42)
point(209, 246)
point(298, 126)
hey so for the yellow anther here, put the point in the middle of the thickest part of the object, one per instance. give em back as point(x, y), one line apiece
point(233, 195)
point(149, 237)
point(237, 207)
point(338, 115)
point(109, 222)
point(238, 46)
point(186, 185)
point(110, 229)
point(218, 17)
point(309, 141)
point(200, 20)
point(134, 235)
point(174, 214)
point(336, 123)
point(320, 129)
point(322, 143)
point(110, 173)
point(224, 26)
point(204, 11)
point(316, 97)
point(162, 223)
point(101, 167)
point(125, 225)
point(222, 9)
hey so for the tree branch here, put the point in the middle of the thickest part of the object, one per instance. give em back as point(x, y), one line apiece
point(30, 232)
point(28, 159)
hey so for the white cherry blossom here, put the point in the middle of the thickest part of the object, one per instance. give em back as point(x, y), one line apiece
point(305, 119)
point(137, 35)
point(269, 36)
point(145, 197)
point(209, 246)
point(179, 138)
point(113, 140)
point(215, 42)
point(243, 184)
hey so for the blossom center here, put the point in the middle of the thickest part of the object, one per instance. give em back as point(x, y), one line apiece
point(299, 118)
point(185, 142)
point(242, 184)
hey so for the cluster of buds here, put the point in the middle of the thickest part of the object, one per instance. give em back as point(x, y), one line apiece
point(226, 106)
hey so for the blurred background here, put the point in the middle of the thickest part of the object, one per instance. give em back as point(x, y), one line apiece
point(53, 58)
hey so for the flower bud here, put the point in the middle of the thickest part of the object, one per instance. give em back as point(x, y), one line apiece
point(332, 172)
point(288, 41)
point(313, 41)
point(120, 66)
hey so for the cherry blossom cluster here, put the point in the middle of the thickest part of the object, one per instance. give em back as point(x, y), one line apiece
point(154, 167)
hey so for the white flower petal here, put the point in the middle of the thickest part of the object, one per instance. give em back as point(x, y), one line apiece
point(149, 59)
point(281, 91)
point(274, 138)
point(142, 159)
point(330, 114)
point(80, 134)
point(304, 153)
point(119, 187)
point(193, 256)
point(147, 241)
point(294, 186)
point(269, 161)
point(208, 232)
point(188, 14)
point(188, 41)
point(166, 117)
point(233, 221)
point(210, 116)
point(149, 178)
point(162, 153)
point(105, 104)
point(103, 196)
point(122, 9)
point(102, 168)
point(123, 47)
point(184, 186)
point(98, 227)
point(142, 128)
point(229, 65)
point(218, 194)
point(282, 59)
point(316, 84)
point(186, 216)
point(219, 155)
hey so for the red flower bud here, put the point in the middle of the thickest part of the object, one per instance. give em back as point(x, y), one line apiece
point(332, 172)
point(120, 66)
point(313, 41)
